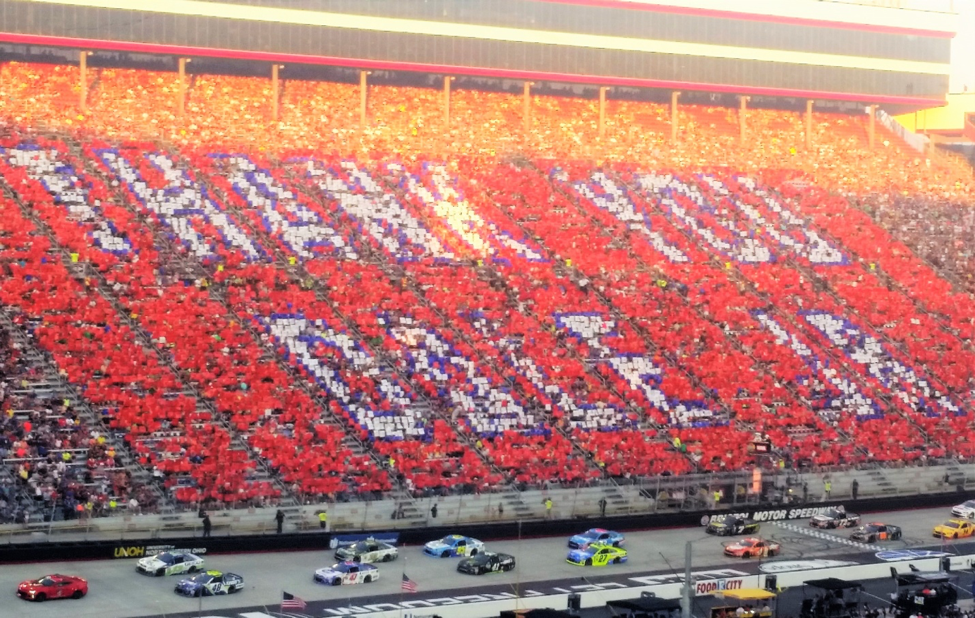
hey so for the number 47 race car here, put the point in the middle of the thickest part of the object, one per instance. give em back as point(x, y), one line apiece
point(209, 584)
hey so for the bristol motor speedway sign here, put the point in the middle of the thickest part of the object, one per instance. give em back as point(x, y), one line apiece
point(773, 514)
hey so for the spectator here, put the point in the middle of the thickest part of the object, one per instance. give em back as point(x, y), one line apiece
point(207, 525)
point(279, 518)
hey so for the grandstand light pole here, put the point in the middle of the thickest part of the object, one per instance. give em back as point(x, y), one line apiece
point(673, 115)
point(742, 110)
point(83, 69)
point(363, 95)
point(446, 99)
point(182, 85)
point(809, 108)
point(602, 110)
point(275, 90)
point(526, 111)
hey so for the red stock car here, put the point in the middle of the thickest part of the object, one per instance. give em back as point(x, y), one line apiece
point(53, 587)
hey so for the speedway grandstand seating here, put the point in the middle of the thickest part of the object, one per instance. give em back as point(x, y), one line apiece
point(262, 311)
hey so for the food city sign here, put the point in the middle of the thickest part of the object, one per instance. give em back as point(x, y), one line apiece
point(708, 588)
point(773, 514)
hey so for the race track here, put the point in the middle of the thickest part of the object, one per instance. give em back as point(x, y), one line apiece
point(117, 591)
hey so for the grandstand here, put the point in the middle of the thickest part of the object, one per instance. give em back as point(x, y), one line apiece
point(235, 291)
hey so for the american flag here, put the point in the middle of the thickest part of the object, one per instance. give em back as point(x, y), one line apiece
point(290, 601)
point(408, 585)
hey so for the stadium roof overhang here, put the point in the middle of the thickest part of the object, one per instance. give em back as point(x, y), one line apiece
point(893, 103)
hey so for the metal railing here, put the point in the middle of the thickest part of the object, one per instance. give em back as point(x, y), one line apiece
point(660, 495)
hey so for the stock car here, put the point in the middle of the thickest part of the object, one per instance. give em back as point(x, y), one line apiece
point(367, 551)
point(596, 535)
point(954, 529)
point(486, 562)
point(53, 587)
point(728, 525)
point(210, 584)
point(753, 548)
point(596, 554)
point(876, 531)
point(835, 518)
point(347, 573)
point(453, 545)
point(965, 509)
point(170, 563)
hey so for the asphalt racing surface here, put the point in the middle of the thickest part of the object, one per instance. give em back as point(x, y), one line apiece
point(117, 591)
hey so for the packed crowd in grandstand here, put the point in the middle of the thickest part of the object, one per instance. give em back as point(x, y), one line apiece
point(339, 310)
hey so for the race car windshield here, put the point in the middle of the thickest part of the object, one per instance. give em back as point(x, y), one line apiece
point(448, 540)
point(45, 581)
point(590, 534)
point(166, 557)
point(951, 524)
point(969, 504)
point(748, 543)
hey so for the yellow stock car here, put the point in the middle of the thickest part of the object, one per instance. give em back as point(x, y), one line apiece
point(596, 554)
point(954, 529)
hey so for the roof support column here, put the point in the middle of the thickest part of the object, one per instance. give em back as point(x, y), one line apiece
point(602, 111)
point(446, 99)
point(182, 86)
point(742, 110)
point(673, 115)
point(275, 91)
point(809, 122)
point(872, 125)
point(526, 112)
point(83, 69)
point(363, 96)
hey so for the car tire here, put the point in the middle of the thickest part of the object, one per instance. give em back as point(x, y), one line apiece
point(41, 597)
point(192, 569)
point(617, 560)
point(588, 561)
point(507, 567)
point(198, 593)
point(368, 579)
point(336, 582)
point(445, 554)
point(473, 552)
point(616, 543)
point(357, 559)
point(387, 558)
point(77, 594)
point(160, 572)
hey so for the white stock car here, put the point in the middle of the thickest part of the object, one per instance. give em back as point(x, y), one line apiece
point(367, 551)
point(170, 563)
point(347, 573)
point(965, 509)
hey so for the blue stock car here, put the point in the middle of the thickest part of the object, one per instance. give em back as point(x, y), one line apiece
point(453, 545)
point(596, 535)
point(210, 583)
